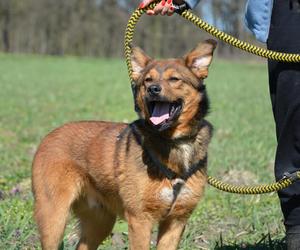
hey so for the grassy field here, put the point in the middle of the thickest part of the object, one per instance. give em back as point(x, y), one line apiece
point(38, 94)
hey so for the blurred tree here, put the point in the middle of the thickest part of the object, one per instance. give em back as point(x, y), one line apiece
point(96, 27)
point(228, 16)
point(5, 14)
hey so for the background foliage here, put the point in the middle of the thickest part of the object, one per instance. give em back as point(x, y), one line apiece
point(96, 27)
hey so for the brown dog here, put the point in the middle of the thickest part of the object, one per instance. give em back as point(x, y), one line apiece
point(150, 171)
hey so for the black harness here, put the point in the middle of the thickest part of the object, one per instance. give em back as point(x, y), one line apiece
point(163, 169)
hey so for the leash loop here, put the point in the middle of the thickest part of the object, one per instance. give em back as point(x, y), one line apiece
point(269, 54)
point(288, 178)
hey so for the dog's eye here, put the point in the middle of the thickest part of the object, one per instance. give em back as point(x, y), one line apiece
point(148, 79)
point(174, 79)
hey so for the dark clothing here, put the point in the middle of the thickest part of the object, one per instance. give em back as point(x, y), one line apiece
point(293, 237)
point(284, 81)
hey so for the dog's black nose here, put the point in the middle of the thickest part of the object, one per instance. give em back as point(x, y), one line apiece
point(154, 89)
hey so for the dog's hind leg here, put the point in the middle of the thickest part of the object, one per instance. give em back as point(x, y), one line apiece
point(170, 232)
point(96, 223)
point(55, 188)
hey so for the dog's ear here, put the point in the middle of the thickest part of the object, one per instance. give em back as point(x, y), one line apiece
point(139, 60)
point(199, 59)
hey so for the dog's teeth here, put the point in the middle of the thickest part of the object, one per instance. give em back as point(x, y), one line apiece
point(172, 109)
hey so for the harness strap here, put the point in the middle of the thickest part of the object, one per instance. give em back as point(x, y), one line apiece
point(167, 172)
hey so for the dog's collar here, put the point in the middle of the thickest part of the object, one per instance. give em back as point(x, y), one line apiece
point(151, 130)
point(167, 172)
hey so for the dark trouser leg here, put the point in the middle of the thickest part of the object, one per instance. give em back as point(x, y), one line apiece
point(284, 80)
point(293, 237)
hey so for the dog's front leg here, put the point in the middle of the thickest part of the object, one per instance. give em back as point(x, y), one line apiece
point(139, 233)
point(169, 233)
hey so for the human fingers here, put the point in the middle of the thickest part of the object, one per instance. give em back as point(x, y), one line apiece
point(150, 12)
point(167, 7)
point(145, 3)
point(158, 9)
point(171, 11)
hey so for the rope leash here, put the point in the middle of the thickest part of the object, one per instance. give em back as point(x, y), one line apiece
point(269, 54)
point(288, 178)
point(286, 181)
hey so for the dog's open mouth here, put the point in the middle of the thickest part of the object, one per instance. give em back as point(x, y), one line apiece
point(162, 112)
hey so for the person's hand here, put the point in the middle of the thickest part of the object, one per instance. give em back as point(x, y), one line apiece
point(163, 8)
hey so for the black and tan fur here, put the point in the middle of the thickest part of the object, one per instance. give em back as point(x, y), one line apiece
point(144, 173)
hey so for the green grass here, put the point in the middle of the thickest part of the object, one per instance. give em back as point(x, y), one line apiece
point(40, 93)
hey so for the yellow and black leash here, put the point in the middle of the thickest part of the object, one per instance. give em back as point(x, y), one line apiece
point(269, 54)
point(288, 179)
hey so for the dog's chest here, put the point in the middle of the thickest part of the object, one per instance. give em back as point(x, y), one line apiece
point(185, 153)
point(169, 195)
point(175, 200)
point(177, 196)
point(178, 191)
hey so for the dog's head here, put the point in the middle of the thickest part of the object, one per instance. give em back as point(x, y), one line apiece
point(170, 94)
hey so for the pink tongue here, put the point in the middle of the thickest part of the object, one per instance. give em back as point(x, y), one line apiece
point(160, 113)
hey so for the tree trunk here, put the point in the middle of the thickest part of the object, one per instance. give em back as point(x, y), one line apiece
point(6, 26)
